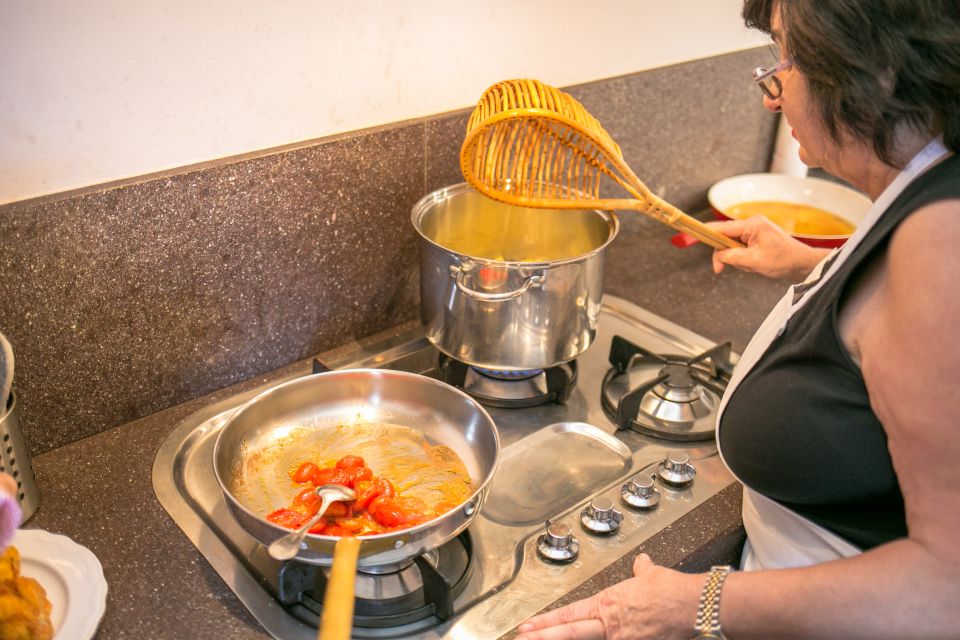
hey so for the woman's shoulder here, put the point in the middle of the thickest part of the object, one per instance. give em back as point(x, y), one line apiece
point(932, 228)
point(939, 182)
point(924, 260)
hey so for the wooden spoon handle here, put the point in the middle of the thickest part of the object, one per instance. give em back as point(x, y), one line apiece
point(705, 234)
point(336, 621)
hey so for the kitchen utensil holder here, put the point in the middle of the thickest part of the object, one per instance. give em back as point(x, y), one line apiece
point(15, 460)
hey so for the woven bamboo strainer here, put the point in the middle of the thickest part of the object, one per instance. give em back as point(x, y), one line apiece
point(531, 145)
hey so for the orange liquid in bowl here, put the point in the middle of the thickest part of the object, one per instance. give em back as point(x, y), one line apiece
point(796, 219)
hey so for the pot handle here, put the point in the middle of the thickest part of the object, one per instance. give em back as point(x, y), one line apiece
point(458, 273)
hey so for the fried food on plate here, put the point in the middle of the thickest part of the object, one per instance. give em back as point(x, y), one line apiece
point(24, 607)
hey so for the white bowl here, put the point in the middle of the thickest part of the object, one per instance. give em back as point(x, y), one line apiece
point(840, 200)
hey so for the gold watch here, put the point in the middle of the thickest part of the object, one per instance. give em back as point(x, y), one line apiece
point(707, 626)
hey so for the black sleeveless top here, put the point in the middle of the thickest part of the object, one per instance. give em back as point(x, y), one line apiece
point(799, 428)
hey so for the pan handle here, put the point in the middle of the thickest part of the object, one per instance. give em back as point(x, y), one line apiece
point(459, 274)
point(336, 621)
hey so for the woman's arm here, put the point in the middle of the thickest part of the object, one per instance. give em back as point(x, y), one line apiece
point(770, 250)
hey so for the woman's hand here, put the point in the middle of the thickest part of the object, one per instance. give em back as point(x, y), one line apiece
point(655, 603)
point(8, 486)
point(10, 514)
point(770, 250)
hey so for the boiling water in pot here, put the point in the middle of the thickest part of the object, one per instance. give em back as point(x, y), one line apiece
point(484, 228)
point(418, 469)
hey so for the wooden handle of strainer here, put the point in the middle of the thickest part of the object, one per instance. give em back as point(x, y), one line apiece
point(671, 216)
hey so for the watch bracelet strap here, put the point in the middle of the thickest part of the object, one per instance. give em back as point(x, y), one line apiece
point(708, 611)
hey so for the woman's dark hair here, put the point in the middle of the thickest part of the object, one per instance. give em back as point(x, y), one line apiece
point(874, 66)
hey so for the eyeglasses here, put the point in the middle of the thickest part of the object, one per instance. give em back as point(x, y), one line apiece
point(768, 80)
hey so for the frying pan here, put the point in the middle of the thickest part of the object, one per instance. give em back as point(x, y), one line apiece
point(373, 413)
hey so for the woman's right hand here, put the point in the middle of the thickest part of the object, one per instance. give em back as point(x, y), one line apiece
point(770, 250)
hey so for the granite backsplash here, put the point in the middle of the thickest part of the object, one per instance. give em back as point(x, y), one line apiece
point(126, 298)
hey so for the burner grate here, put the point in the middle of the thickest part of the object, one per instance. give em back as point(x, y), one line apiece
point(418, 596)
point(510, 389)
point(666, 396)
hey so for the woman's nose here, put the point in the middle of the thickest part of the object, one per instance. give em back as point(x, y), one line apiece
point(771, 104)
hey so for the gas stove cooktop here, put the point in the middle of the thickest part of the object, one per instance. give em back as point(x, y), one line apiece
point(580, 483)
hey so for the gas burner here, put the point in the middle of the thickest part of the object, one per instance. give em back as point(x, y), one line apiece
point(416, 596)
point(667, 396)
point(507, 375)
point(510, 389)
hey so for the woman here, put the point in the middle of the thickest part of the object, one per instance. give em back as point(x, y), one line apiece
point(843, 417)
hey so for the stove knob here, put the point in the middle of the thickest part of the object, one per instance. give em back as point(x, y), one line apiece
point(600, 517)
point(676, 469)
point(641, 493)
point(558, 544)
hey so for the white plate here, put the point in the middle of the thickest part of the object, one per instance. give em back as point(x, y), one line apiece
point(72, 577)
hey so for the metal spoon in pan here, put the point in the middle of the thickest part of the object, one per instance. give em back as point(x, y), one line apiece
point(287, 547)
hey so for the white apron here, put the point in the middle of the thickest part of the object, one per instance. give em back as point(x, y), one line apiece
point(777, 537)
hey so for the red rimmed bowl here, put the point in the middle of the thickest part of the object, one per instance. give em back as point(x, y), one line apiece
point(842, 201)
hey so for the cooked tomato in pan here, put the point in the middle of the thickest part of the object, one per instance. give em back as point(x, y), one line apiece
point(379, 507)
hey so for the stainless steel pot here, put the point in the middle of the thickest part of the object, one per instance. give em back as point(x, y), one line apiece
point(509, 288)
point(258, 444)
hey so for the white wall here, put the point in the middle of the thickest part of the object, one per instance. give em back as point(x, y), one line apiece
point(96, 90)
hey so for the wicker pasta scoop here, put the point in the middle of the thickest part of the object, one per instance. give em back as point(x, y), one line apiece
point(531, 145)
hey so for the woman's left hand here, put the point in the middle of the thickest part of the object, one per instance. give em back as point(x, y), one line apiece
point(655, 603)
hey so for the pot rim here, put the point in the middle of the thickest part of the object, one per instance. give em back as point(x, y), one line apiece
point(423, 205)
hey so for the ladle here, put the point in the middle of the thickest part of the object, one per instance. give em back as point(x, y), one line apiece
point(287, 547)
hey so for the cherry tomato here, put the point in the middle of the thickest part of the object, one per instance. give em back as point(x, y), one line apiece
point(287, 518)
point(348, 462)
point(384, 487)
point(331, 475)
point(351, 525)
point(357, 474)
point(401, 511)
point(336, 510)
point(305, 473)
point(391, 515)
point(366, 491)
point(377, 503)
point(308, 498)
point(334, 530)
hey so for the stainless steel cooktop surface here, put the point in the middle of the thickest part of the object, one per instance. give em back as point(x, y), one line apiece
point(572, 494)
